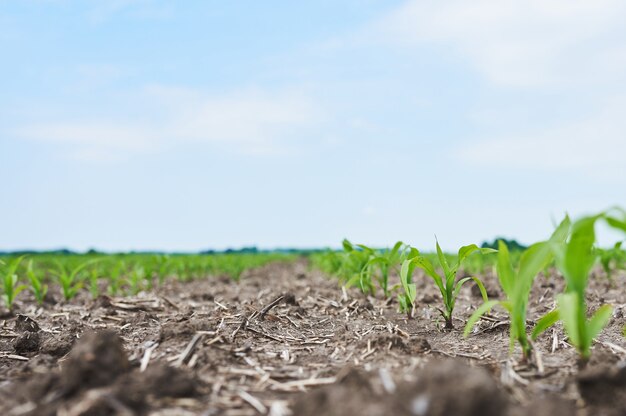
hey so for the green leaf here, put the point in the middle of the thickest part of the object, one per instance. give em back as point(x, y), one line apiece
point(478, 313)
point(598, 321)
point(481, 287)
point(406, 272)
point(561, 232)
point(504, 268)
point(459, 284)
point(412, 292)
point(466, 251)
point(534, 259)
point(366, 249)
point(347, 245)
point(395, 249)
point(402, 302)
point(615, 223)
point(14, 264)
point(17, 290)
point(545, 322)
point(424, 264)
point(442, 260)
point(568, 312)
point(579, 256)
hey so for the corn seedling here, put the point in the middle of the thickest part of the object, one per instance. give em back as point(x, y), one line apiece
point(517, 284)
point(68, 279)
point(380, 264)
point(162, 268)
point(94, 288)
point(136, 279)
point(353, 262)
point(10, 282)
point(612, 259)
point(115, 278)
point(406, 299)
point(447, 284)
point(575, 259)
point(38, 288)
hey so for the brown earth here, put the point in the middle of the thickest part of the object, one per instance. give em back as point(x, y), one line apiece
point(287, 340)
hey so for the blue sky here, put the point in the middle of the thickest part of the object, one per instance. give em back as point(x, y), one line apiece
point(145, 124)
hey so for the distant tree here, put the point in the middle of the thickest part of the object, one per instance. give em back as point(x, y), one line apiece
point(513, 245)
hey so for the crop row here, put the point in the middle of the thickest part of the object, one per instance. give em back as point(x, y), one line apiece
point(572, 249)
point(126, 274)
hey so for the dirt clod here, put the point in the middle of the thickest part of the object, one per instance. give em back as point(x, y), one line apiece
point(27, 342)
point(290, 299)
point(548, 406)
point(351, 395)
point(97, 359)
point(604, 386)
point(57, 345)
point(158, 381)
point(443, 388)
point(451, 387)
point(385, 342)
point(24, 323)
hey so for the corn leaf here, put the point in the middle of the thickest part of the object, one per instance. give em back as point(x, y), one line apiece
point(424, 264)
point(478, 313)
point(506, 275)
point(544, 323)
point(598, 321)
point(442, 260)
point(568, 313)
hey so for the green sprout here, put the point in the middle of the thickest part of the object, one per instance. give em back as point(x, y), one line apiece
point(162, 262)
point(353, 262)
point(68, 279)
point(94, 288)
point(380, 264)
point(517, 284)
point(612, 259)
point(406, 299)
point(38, 288)
point(10, 282)
point(575, 259)
point(136, 279)
point(115, 278)
point(447, 284)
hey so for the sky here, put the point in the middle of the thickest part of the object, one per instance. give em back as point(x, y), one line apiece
point(183, 126)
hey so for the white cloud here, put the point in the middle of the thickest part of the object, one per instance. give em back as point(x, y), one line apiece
point(595, 146)
point(519, 42)
point(572, 51)
point(251, 121)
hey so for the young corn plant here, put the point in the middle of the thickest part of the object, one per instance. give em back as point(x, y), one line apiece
point(69, 279)
point(380, 264)
point(612, 259)
point(94, 288)
point(575, 259)
point(115, 278)
point(516, 283)
point(406, 299)
point(354, 261)
point(136, 280)
point(37, 286)
point(162, 268)
point(10, 281)
point(447, 284)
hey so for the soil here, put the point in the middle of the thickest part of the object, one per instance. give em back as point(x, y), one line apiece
point(286, 340)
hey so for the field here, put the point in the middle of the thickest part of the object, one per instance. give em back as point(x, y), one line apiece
point(357, 331)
